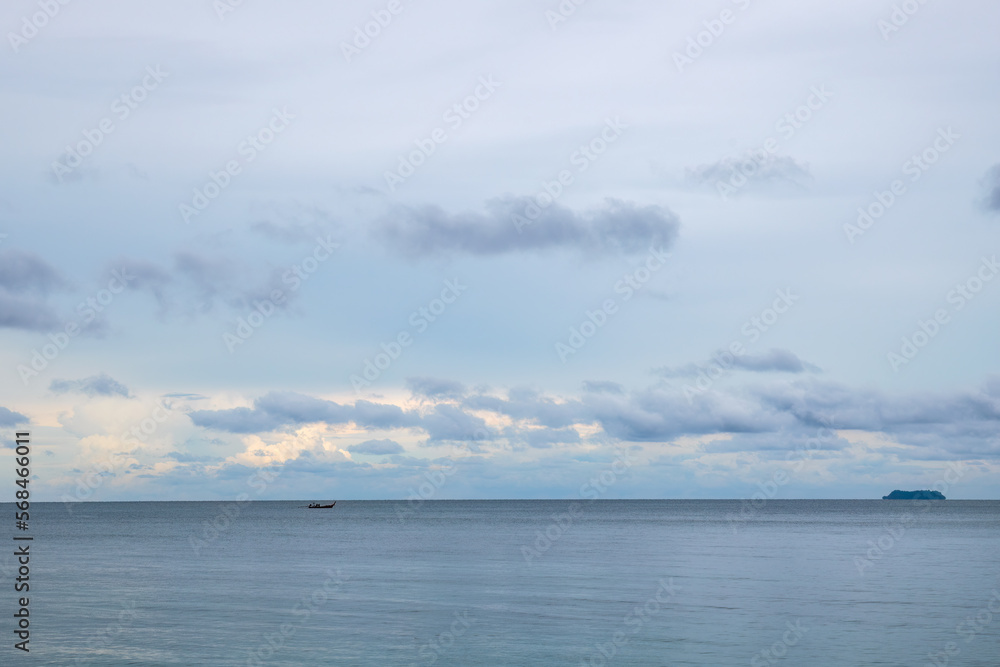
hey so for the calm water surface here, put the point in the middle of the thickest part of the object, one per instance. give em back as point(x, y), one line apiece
point(512, 583)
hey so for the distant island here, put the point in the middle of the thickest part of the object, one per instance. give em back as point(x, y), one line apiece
point(914, 495)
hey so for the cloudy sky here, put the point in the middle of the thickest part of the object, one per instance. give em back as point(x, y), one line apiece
point(487, 250)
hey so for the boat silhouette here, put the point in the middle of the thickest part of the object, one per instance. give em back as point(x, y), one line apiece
point(317, 506)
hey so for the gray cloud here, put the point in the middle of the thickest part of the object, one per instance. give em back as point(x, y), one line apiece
point(95, 385)
point(542, 438)
point(875, 411)
point(287, 233)
point(774, 168)
point(149, 277)
point(279, 409)
point(773, 360)
point(617, 226)
point(532, 406)
point(377, 447)
point(992, 184)
point(296, 224)
point(602, 387)
point(209, 276)
point(30, 315)
point(237, 420)
point(661, 415)
point(449, 423)
point(380, 416)
point(961, 422)
point(23, 274)
point(299, 408)
point(11, 418)
point(435, 388)
point(197, 283)
point(26, 272)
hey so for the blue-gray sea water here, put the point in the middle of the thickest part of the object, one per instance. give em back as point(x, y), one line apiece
point(625, 582)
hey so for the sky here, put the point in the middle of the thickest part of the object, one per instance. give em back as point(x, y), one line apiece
point(401, 250)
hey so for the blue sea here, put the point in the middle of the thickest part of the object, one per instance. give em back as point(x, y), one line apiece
point(622, 582)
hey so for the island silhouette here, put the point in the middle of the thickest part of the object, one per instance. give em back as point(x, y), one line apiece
point(914, 495)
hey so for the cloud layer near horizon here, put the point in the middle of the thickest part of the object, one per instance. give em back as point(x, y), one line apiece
point(656, 414)
point(495, 437)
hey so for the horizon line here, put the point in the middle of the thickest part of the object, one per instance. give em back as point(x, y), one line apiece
point(429, 500)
